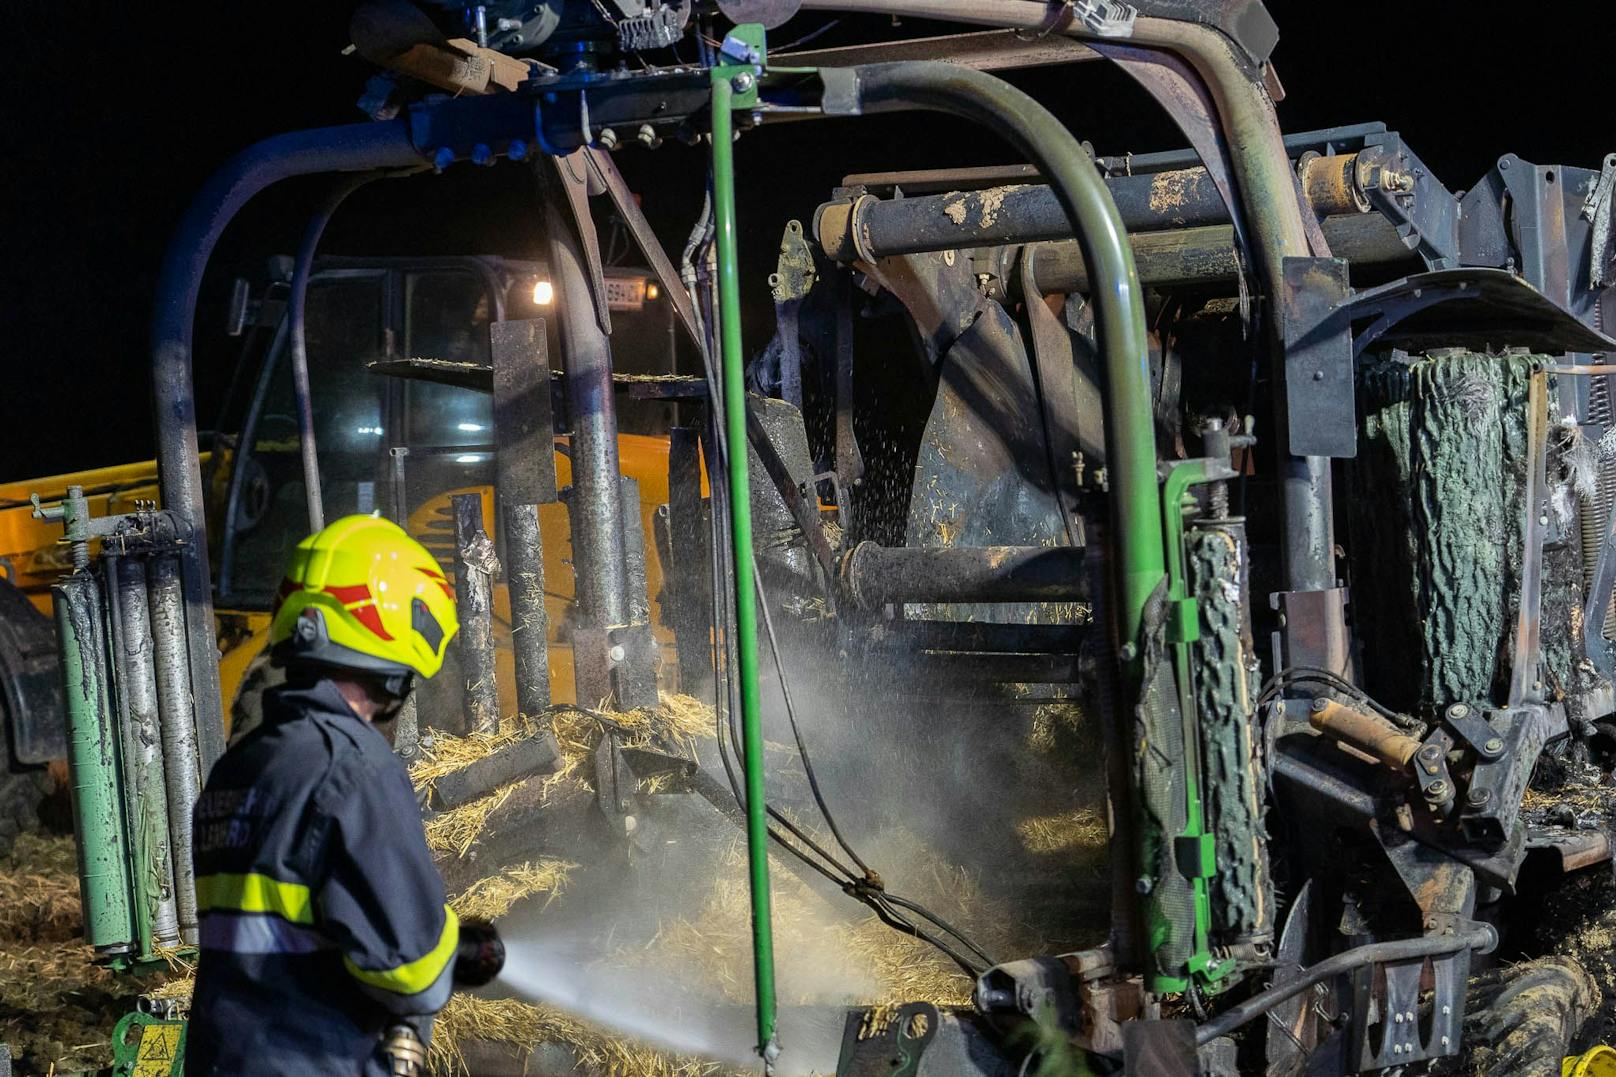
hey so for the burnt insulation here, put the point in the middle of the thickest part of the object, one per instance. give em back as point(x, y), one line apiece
point(1437, 521)
point(1226, 686)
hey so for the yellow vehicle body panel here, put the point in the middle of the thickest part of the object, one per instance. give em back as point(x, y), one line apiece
point(33, 556)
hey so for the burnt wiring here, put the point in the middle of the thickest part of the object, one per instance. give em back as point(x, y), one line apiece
point(868, 887)
point(1298, 675)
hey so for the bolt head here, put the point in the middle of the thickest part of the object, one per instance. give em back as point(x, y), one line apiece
point(1319, 705)
point(1459, 710)
point(743, 82)
point(1480, 796)
point(1430, 751)
point(1438, 788)
point(1493, 746)
point(617, 654)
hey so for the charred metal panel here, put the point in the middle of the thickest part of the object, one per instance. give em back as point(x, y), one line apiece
point(982, 476)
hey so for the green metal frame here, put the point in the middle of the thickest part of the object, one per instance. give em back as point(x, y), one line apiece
point(1195, 847)
point(734, 86)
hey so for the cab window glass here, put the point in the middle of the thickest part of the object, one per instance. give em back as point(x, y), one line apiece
point(446, 316)
point(344, 331)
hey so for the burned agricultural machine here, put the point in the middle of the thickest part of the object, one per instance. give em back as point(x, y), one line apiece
point(1282, 461)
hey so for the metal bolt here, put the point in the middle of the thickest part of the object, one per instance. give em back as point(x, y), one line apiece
point(1447, 1011)
point(1480, 796)
point(1446, 1040)
point(1128, 652)
point(647, 137)
point(1438, 788)
point(1459, 710)
point(1430, 751)
point(1318, 375)
point(743, 82)
point(607, 139)
point(1493, 746)
point(1409, 1016)
point(1397, 1048)
point(1145, 884)
point(617, 654)
point(517, 150)
point(1318, 705)
point(1397, 1018)
point(443, 158)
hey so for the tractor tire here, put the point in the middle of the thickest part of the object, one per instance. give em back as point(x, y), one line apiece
point(23, 790)
point(1524, 1019)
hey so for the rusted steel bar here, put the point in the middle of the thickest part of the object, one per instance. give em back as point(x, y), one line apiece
point(1184, 256)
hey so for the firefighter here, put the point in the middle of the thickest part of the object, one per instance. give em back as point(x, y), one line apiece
point(326, 945)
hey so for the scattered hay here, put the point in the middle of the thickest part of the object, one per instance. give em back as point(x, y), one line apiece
point(448, 753)
point(1048, 721)
point(675, 726)
point(493, 897)
point(57, 1007)
point(42, 890)
point(826, 955)
point(1084, 828)
point(179, 989)
point(521, 1027)
point(454, 832)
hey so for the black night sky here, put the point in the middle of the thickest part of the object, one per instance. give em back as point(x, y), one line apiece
point(116, 114)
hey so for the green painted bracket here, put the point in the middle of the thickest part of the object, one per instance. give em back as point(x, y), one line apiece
point(1194, 849)
point(147, 1046)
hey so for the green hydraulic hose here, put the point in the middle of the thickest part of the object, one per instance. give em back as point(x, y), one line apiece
point(740, 500)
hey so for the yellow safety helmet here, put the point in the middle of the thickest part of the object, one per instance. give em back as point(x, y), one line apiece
point(362, 595)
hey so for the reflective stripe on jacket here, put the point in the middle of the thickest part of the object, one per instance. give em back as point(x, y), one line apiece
point(322, 915)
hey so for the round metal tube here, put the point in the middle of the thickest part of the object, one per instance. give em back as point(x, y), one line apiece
point(877, 228)
point(474, 584)
point(596, 507)
point(178, 720)
point(148, 792)
point(746, 648)
point(347, 148)
point(530, 623)
point(296, 303)
point(877, 575)
point(1197, 256)
point(92, 766)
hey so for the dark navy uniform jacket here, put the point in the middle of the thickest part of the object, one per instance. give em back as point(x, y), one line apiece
point(323, 918)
